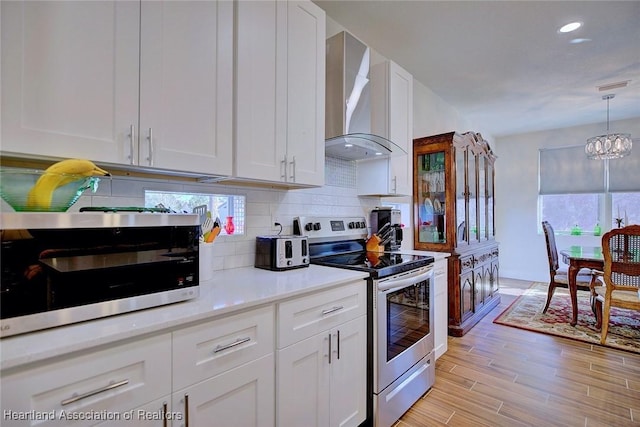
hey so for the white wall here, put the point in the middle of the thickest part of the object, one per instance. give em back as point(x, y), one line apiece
point(522, 249)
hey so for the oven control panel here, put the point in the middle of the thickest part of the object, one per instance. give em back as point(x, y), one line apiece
point(333, 228)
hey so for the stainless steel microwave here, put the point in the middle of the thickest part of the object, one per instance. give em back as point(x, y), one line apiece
point(61, 268)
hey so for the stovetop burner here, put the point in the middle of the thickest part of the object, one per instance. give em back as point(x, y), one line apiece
point(378, 264)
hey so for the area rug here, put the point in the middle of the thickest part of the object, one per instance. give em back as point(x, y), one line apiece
point(526, 313)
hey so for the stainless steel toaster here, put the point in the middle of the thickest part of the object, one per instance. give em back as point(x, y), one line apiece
point(281, 252)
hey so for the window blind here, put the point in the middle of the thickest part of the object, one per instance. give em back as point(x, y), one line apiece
point(567, 170)
point(624, 173)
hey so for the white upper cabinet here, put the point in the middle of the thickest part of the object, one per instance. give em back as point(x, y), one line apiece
point(70, 78)
point(137, 83)
point(392, 118)
point(280, 80)
point(186, 90)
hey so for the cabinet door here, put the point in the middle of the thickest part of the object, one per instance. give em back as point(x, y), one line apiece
point(348, 405)
point(303, 383)
point(155, 414)
point(305, 92)
point(241, 397)
point(70, 78)
point(440, 310)
point(186, 86)
point(401, 127)
point(466, 295)
point(494, 282)
point(261, 101)
point(479, 287)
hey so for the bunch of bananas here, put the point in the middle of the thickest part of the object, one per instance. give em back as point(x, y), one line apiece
point(57, 175)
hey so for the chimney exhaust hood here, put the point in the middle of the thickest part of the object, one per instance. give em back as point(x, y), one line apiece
point(348, 103)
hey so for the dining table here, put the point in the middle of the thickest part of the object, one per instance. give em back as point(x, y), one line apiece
point(579, 257)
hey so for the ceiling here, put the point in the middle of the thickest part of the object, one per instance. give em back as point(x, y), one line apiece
point(503, 63)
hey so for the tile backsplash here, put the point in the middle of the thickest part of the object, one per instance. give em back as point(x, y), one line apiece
point(262, 203)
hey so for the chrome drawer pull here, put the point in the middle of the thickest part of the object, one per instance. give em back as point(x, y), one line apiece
point(77, 397)
point(331, 310)
point(233, 344)
point(150, 138)
point(132, 142)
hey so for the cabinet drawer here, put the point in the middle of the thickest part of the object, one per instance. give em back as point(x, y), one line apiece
point(306, 316)
point(110, 381)
point(208, 349)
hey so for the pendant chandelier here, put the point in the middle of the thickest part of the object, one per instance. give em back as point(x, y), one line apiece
point(609, 146)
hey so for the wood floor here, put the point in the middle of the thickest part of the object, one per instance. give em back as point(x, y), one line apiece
point(502, 376)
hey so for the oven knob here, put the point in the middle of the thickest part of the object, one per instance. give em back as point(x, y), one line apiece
point(362, 224)
point(289, 262)
point(352, 225)
point(316, 226)
point(308, 226)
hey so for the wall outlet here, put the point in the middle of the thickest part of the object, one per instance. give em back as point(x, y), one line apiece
point(276, 219)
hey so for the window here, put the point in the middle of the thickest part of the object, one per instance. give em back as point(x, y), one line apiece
point(565, 211)
point(625, 205)
point(220, 205)
point(575, 190)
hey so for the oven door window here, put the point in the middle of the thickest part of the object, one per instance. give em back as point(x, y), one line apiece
point(407, 317)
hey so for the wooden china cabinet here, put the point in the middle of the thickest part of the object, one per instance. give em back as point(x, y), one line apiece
point(453, 193)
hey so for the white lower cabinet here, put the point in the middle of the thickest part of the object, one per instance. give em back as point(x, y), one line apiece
point(154, 414)
point(82, 390)
point(224, 370)
point(321, 378)
point(441, 301)
point(241, 397)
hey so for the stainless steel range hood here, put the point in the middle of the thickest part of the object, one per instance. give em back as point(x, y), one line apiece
point(348, 103)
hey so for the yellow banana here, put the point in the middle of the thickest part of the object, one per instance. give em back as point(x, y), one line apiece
point(58, 175)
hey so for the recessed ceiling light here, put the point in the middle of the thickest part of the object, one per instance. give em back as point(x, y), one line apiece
point(378, 153)
point(578, 41)
point(572, 26)
point(347, 145)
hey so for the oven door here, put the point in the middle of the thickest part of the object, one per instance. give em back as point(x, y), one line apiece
point(403, 327)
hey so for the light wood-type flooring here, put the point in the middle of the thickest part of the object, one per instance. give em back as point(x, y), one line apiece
point(502, 376)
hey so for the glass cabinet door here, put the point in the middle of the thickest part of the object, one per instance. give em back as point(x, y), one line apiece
point(490, 224)
point(472, 189)
point(482, 198)
point(431, 198)
point(461, 196)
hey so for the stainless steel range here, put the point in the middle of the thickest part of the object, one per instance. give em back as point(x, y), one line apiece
point(401, 361)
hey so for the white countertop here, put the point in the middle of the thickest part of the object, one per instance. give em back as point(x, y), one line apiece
point(229, 291)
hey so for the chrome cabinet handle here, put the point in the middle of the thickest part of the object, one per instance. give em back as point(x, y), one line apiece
point(331, 310)
point(329, 348)
point(165, 413)
point(77, 397)
point(395, 184)
point(338, 344)
point(132, 142)
point(186, 410)
point(293, 169)
point(150, 139)
point(283, 164)
point(233, 344)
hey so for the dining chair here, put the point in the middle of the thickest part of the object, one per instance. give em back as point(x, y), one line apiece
point(619, 286)
point(560, 274)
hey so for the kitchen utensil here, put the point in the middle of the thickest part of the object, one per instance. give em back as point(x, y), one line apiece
point(202, 212)
point(383, 229)
point(207, 226)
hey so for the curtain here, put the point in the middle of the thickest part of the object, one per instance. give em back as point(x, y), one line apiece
point(567, 170)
